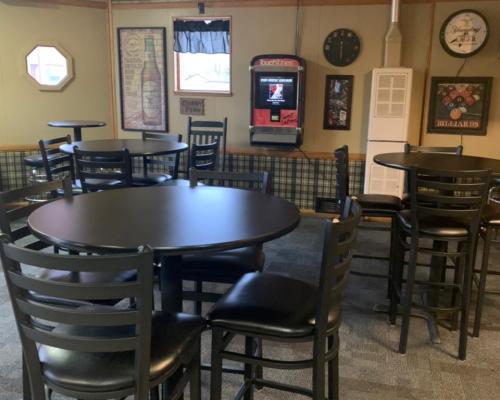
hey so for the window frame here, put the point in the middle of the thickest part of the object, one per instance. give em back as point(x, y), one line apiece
point(176, 63)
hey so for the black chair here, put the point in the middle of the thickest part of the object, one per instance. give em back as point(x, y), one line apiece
point(279, 308)
point(204, 132)
point(103, 170)
point(445, 208)
point(223, 266)
point(168, 165)
point(490, 223)
point(57, 164)
point(98, 352)
point(372, 205)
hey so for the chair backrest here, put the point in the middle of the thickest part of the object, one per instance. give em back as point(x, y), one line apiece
point(204, 156)
point(56, 163)
point(203, 132)
point(165, 162)
point(14, 210)
point(84, 329)
point(458, 150)
point(260, 181)
point(339, 239)
point(103, 170)
point(459, 195)
point(341, 175)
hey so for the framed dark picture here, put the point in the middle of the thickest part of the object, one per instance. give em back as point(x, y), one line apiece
point(459, 105)
point(338, 101)
point(143, 83)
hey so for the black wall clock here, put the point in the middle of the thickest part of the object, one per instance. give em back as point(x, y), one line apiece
point(464, 33)
point(341, 47)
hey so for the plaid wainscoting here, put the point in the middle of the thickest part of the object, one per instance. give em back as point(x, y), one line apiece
point(299, 180)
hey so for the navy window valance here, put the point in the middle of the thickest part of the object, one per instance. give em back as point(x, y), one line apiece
point(200, 36)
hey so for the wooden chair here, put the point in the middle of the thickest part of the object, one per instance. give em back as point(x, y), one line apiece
point(204, 156)
point(103, 170)
point(169, 165)
point(284, 309)
point(94, 351)
point(204, 132)
point(445, 208)
point(223, 266)
point(57, 164)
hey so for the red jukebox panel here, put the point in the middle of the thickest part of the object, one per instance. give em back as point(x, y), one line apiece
point(277, 102)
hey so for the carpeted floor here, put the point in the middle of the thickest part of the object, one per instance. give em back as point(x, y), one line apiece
point(370, 366)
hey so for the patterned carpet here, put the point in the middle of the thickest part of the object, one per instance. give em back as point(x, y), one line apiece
point(370, 366)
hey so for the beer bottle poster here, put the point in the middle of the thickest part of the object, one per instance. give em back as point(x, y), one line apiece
point(142, 79)
point(459, 105)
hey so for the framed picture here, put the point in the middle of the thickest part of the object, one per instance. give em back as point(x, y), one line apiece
point(143, 83)
point(338, 101)
point(459, 105)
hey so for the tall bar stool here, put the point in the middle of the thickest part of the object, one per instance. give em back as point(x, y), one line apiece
point(446, 207)
point(490, 224)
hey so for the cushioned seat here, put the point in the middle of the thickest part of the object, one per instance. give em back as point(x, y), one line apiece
point(151, 178)
point(444, 227)
point(379, 202)
point(271, 304)
point(491, 215)
point(37, 160)
point(172, 335)
point(176, 182)
point(225, 266)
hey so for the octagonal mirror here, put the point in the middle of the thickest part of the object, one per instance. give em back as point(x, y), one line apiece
point(49, 67)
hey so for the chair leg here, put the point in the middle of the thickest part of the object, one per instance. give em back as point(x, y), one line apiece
point(333, 371)
point(318, 381)
point(249, 368)
point(195, 381)
point(259, 370)
point(198, 304)
point(26, 383)
point(396, 279)
point(392, 244)
point(482, 281)
point(466, 289)
point(216, 362)
point(405, 325)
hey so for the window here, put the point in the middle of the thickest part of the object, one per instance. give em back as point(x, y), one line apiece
point(49, 67)
point(202, 50)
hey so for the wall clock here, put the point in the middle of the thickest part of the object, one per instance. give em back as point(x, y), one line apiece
point(341, 47)
point(464, 33)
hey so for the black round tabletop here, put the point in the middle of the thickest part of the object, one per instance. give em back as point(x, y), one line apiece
point(136, 147)
point(171, 219)
point(438, 161)
point(76, 124)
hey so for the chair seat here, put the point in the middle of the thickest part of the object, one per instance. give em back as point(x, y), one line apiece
point(150, 178)
point(491, 215)
point(224, 266)
point(271, 305)
point(172, 335)
point(382, 202)
point(176, 182)
point(37, 160)
point(438, 227)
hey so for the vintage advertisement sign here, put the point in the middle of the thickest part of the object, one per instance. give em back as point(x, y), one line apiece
point(142, 79)
point(192, 106)
point(459, 105)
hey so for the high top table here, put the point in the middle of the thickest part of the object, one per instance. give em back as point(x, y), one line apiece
point(173, 220)
point(136, 147)
point(77, 126)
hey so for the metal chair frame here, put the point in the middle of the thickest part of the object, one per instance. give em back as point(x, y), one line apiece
point(440, 194)
point(340, 236)
point(169, 162)
point(204, 132)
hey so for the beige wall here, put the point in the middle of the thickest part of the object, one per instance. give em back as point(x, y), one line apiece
point(24, 110)
point(486, 63)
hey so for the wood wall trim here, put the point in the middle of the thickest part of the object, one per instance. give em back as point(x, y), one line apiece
point(244, 151)
point(102, 4)
point(266, 3)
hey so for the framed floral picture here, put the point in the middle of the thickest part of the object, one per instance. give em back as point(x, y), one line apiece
point(338, 101)
point(459, 105)
point(143, 83)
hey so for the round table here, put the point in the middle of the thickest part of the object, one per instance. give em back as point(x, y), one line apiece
point(438, 161)
point(77, 126)
point(136, 147)
point(173, 220)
